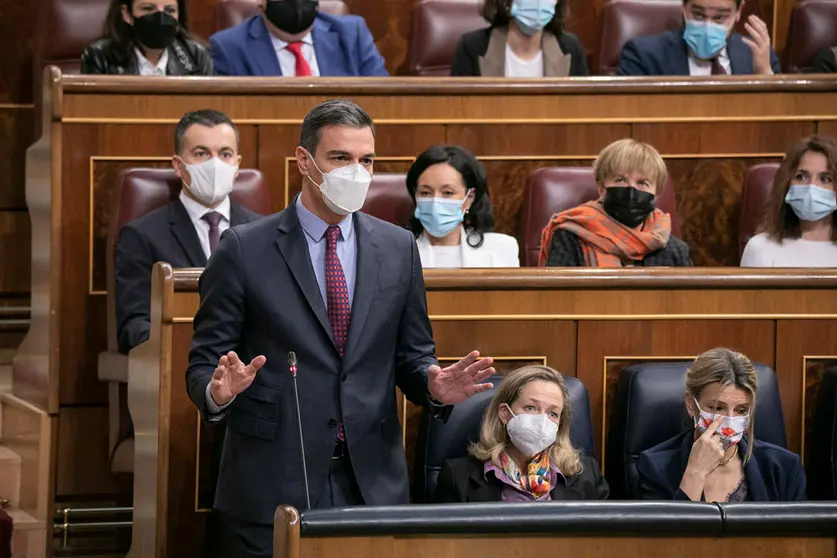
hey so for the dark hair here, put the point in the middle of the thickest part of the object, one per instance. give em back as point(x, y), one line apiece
point(498, 14)
point(121, 34)
point(737, 3)
point(778, 220)
point(478, 219)
point(204, 117)
point(337, 112)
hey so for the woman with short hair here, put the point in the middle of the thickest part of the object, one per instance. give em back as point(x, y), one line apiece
point(524, 452)
point(719, 459)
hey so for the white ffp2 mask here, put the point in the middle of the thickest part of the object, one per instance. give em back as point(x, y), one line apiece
point(344, 189)
point(212, 180)
point(531, 433)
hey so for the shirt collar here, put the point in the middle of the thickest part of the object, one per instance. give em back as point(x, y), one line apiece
point(197, 210)
point(144, 63)
point(315, 227)
point(279, 44)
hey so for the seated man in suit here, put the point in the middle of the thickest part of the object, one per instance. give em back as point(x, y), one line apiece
point(184, 232)
point(706, 45)
point(292, 38)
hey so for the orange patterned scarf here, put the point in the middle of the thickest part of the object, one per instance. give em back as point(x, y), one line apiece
point(535, 480)
point(606, 242)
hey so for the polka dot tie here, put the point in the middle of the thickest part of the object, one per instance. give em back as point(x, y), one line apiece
point(337, 295)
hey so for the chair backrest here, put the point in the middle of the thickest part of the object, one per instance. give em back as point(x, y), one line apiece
point(65, 29)
point(813, 26)
point(648, 409)
point(757, 186)
point(388, 198)
point(438, 441)
point(229, 13)
point(436, 28)
point(822, 451)
point(551, 190)
point(623, 20)
point(142, 190)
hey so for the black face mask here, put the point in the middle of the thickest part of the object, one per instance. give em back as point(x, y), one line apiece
point(291, 16)
point(156, 30)
point(628, 205)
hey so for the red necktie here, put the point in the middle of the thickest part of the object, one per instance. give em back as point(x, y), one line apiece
point(302, 67)
point(337, 297)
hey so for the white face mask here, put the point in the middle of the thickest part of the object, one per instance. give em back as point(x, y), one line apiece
point(344, 189)
point(212, 180)
point(531, 433)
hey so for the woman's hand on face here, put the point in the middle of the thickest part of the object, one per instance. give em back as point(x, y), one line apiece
point(707, 451)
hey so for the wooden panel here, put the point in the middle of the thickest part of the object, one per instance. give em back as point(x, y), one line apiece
point(82, 460)
point(576, 140)
point(709, 195)
point(732, 138)
point(16, 129)
point(578, 547)
point(600, 341)
point(804, 346)
point(15, 252)
point(828, 128)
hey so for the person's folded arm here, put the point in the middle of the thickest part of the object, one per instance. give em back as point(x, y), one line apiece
point(371, 61)
point(630, 62)
point(133, 264)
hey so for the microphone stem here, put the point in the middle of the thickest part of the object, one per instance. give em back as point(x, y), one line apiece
point(302, 445)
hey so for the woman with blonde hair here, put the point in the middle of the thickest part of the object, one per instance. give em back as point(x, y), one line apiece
point(524, 452)
point(622, 227)
point(719, 460)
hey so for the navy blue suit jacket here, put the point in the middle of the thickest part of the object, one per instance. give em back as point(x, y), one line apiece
point(343, 44)
point(773, 474)
point(666, 54)
point(259, 296)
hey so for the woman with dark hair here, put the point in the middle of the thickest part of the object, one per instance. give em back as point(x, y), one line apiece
point(798, 226)
point(453, 221)
point(526, 39)
point(147, 38)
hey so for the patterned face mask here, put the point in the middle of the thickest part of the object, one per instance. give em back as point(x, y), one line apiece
point(730, 431)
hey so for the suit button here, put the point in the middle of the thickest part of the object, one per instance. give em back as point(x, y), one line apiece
point(332, 423)
point(343, 378)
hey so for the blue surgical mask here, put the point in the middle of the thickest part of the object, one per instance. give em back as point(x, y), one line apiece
point(811, 203)
point(439, 216)
point(532, 15)
point(705, 38)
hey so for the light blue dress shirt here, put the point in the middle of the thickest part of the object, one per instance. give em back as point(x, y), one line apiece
point(315, 229)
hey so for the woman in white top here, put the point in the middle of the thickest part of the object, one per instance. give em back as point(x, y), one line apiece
point(798, 226)
point(453, 220)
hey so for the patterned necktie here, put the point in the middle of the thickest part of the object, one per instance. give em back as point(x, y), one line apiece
point(717, 69)
point(337, 297)
point(302, 67)
point(214, 219)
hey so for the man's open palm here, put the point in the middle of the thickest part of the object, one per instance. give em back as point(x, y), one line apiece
point(458, 382)
point(232, 377)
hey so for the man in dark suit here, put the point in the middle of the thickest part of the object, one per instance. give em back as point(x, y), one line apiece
point(705, 46)
point(292, 38)
point(182, 233)
point(344, 291)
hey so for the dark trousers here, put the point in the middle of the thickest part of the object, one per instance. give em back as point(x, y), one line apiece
point(255, 540)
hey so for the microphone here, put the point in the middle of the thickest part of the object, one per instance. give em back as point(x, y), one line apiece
point(292, 366)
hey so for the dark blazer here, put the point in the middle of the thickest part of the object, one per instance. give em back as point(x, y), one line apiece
point(483, 53)
point(825, 61)
point(666, 54)
point(773, 474)
point(463, 480)
point(566, 252)
point(259, 296)
point(343, 44)
point(166, 234)
point(186, 58)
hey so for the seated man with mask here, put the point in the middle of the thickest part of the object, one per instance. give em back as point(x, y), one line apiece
point(184, 232)
point(705, 46)
point(293, 38)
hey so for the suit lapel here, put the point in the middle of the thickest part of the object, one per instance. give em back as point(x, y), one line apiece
point(563, 491)
point(186, 235)
point(261, 49)
point(294, 249)
point(328, 50)
point(679, 53)
point(366, 278)
point(493, 63)
point(555, 62)
point(480, 490)
point(756, 489)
